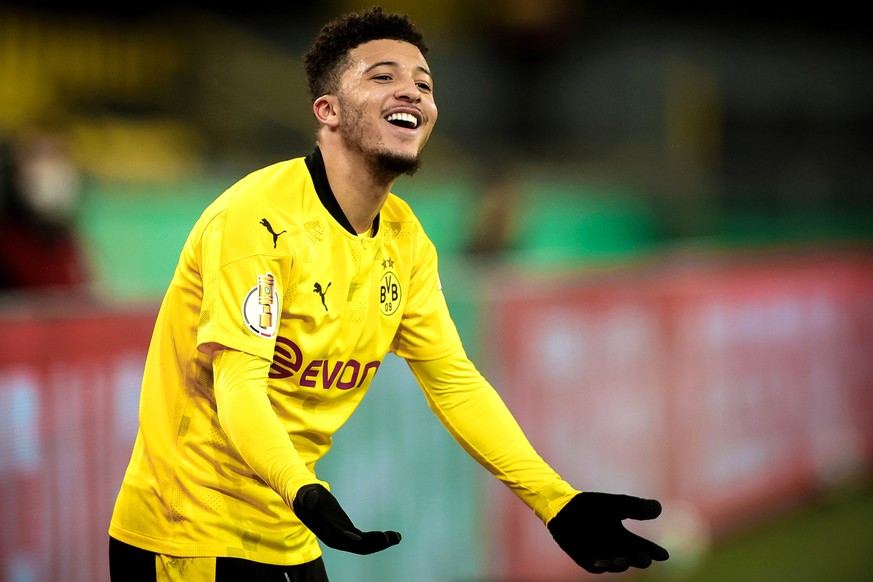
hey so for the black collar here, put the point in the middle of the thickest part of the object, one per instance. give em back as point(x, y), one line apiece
point(315, 164)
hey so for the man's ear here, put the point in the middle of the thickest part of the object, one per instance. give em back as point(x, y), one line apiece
point(326, 110)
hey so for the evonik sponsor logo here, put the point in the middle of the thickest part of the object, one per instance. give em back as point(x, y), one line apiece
point(288, 360)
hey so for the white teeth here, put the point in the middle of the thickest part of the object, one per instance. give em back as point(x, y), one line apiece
point(404, 117)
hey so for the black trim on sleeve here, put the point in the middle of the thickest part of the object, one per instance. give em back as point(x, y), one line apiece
point(315, 164)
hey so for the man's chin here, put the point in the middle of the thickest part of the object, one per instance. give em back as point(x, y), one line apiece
point(394, 164)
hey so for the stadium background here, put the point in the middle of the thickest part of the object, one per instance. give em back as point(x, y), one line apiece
point(654, 226)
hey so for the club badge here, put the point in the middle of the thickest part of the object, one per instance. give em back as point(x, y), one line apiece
point(390, 292)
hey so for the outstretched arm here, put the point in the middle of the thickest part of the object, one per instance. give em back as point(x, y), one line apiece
point(586, 525)
point(478, 419)
point(248, 419)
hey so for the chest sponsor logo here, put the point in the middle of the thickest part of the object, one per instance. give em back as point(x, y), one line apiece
point(288, 360)
point(260, 307)
point(390, 292)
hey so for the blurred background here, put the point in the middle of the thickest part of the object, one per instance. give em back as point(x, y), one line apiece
point(654, 223)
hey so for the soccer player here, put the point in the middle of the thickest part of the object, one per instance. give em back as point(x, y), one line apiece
point(292, 287)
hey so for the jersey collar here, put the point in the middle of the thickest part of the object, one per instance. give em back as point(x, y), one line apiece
point(315, 164)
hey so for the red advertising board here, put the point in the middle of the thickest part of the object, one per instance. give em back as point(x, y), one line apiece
point(69, 391)
point(725, 389)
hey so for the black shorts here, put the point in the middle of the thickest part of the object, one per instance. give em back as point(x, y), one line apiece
point(131, 564)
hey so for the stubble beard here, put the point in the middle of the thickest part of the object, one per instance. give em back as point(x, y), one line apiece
point(383, 164)
point(392, 165)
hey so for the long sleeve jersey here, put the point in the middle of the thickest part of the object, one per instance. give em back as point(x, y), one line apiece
point(303, 311)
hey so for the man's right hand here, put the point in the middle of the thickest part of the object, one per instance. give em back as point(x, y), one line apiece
point(319, 510)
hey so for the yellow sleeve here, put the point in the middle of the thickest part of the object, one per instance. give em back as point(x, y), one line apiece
point(475, 415)
point(248, 419)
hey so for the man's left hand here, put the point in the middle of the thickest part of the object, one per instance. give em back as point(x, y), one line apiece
point(590, 530)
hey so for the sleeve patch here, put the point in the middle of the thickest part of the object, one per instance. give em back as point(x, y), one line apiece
point(260, 308)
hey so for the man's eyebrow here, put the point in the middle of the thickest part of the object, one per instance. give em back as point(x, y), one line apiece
point(396, 64)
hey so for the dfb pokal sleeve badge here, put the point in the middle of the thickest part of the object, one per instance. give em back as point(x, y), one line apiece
point(261, 307)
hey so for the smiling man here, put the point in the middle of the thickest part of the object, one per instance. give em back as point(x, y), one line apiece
point(291, 289)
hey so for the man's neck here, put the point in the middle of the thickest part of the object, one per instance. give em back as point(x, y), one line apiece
point(358, 190)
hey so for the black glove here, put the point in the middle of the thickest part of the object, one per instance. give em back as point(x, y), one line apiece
point(589, 529)
point(319, 510)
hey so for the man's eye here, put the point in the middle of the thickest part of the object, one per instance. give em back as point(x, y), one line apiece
point(423, 86)
point(382, 77)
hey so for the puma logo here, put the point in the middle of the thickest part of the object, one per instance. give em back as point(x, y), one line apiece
point(321, 293)
point(269, 227)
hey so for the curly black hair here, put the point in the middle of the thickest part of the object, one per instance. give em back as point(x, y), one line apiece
point(324, 61)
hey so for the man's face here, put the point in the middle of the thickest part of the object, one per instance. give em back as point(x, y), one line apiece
point(386, 104)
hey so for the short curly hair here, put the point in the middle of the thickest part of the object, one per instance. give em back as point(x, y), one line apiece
point(327, 56)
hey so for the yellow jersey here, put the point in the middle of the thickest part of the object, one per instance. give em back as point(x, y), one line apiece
point(273, 269)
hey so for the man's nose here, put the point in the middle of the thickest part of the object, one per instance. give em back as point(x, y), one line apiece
point(408, 91)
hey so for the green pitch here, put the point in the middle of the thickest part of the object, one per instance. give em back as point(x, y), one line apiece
point(829, 539)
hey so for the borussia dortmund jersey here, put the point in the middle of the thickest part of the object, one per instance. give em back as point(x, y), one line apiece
point(273, 269)
point(269, 271)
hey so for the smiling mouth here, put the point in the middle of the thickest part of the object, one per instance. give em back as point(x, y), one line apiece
point(405, 120)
